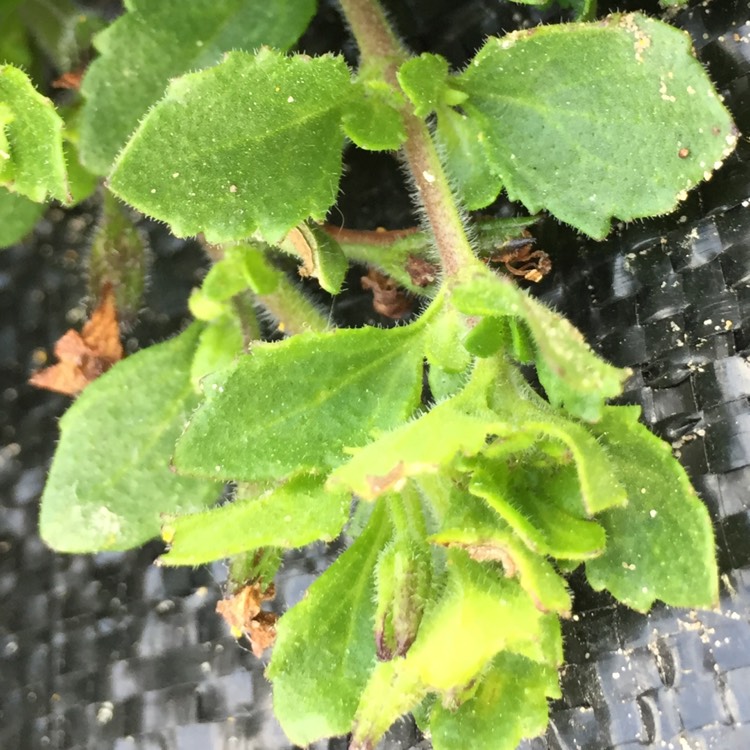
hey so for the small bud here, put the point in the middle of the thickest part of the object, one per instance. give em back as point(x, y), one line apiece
point(385, 641)
point(404, 578)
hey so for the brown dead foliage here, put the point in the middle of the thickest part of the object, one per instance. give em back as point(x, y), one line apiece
point(83, 357)
point(243, 614)
point(388, 298)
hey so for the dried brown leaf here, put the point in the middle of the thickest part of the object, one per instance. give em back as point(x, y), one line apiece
point(387, 298)
point(83, 357)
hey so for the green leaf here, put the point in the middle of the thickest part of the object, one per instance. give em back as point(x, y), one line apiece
point(321, 256)
point(14, 41)
point(488, 337)
point(463, 142)
point(158, 40)
point(110, 480)
point(572, 375)
point(578, 118)
point(444, 384)
point(536, 501)
point(424, 80)
point(457, 426)
point(81, 182)
point(509, 705)
point(391, 691)
point(445, 336)
point(31, 149)
point(480, 614)
point(220, 343)
point(584, 10)
point(18, 215)
point(253, 143)
point(373, 119)
point(559, 439)
point(297, 404)
point(292, 515)
point(472, 526)
point(325, 650)
point(422, 446)
point(661, 545)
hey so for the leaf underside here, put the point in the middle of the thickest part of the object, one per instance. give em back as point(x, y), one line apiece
point(18, 215)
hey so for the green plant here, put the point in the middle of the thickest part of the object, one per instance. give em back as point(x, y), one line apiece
point(475, 495)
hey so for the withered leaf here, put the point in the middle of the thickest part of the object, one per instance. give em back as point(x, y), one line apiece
point(421, 271)
point(387, 298)
point(521, 259)
point(83, 357)
point(243, 614)
point(489, 552)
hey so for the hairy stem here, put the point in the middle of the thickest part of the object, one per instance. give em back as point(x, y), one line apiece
point(294, 312)
point(380, 48)
point(407, 255)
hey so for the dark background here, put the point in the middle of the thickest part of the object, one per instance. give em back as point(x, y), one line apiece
point(108, 651)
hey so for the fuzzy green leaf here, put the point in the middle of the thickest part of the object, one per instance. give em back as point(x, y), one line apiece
point(479, 615)
point(253, 143)
point(321, 256)
point(31, 147)
point(296, 405)
point(465, 148)
point(661, 545)
point(220, 343)
point(325, 650)
point(443, 345)
point(110, 480)
point(373, 120)
point(593, 121)
point(572, 375)
point(509, 704)
point(292, 515)
point(391, 691)
point(18, 215)
point(539, 503)
point(14, 39)
point(457, 426)
point(469, 524)
point(419, 447)
point(81, 182)
point(424, 80)
point(158, 40)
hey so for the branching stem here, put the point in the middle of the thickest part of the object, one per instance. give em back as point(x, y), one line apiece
point(379, 48)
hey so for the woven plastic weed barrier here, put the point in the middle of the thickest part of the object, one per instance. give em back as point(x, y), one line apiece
point(109, 651)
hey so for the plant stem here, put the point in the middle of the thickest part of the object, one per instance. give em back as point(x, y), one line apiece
point(379, 48)
point(407, 254)
point(294, 312)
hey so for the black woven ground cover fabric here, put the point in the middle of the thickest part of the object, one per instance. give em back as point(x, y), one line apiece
point(108, 651)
